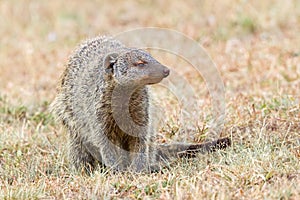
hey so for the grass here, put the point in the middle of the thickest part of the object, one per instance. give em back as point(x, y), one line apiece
point(256, 49)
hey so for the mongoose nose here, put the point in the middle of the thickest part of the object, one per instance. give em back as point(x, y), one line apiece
point(166, 72)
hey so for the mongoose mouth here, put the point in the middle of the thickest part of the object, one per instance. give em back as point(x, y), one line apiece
point(153, 80)
point(152, 83)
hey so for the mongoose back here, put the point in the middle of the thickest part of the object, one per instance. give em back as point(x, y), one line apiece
point(103, 102)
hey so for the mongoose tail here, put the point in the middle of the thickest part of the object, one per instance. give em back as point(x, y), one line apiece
point(191, 150)
point(206, 147)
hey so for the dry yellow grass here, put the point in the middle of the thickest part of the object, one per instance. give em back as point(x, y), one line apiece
point(256, 47)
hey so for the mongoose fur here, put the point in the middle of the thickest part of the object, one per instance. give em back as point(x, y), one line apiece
point(103, 103)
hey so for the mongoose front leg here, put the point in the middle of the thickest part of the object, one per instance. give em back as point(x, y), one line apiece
point(80, 157)
point(108, 154)
point(120, 159)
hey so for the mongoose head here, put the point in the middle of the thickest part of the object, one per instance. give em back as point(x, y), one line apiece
point(134, 67)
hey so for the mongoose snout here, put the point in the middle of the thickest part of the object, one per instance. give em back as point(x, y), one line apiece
point(156, 72)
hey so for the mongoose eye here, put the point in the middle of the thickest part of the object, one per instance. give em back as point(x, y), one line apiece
point(140, 63)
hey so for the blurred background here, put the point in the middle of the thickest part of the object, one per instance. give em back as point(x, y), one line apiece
point(248, 40)
point(256, 48)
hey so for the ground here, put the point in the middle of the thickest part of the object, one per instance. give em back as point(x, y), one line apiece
point(255, 47)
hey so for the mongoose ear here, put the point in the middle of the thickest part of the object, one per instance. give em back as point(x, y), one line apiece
point(109, 60)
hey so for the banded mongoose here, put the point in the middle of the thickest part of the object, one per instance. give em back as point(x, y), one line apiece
point(103, 102)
